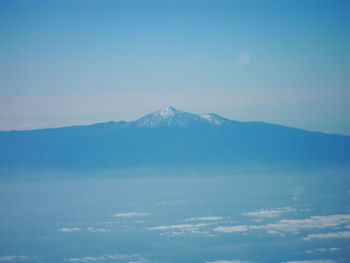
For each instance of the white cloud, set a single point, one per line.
(101, 258)
(332, 249)
(69, 229)
(75, 229)
(284, 226)
(311, 261)
(121, 256)
(130, 214)
(86, 259)
(209, 218)
(321, 249)
(140, 260)
(227, 261)
(102, 230)
(181, 227)
(270, 213)
(12, 258)
(176, 230)
(231, 229)
(313, 222)
(327, 249)
(125, 221)
(345, 234)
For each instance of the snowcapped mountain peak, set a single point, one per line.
(167, 112)
(171, 117)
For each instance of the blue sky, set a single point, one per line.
(74, 62)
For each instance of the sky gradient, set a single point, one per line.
(79, 62)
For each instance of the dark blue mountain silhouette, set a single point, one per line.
(170, 137)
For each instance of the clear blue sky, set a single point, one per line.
(79, 62)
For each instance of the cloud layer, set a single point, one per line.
(227, 261)
(345, 234)
(130, 214)
(270, 213)
(13, 258)
(313, 222)
(311, 261)
(102, 258)
(69, 229)
(208, 218)
(231, 229)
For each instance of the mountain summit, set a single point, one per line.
(171, 117)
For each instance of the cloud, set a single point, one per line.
(284, 226)
(332, 249)
(181, 227)
(130, 214)
(101, 258)
(176, 230)
(209, 218)
(313, 222)
(101, 230)
(75, 229)
(311, 261)
(345, 234)
(231, 229)
(140, 260)
(227, 261)
(12, 258)
(69, 229)
(86, 259)
(270, 213)
(125, 221)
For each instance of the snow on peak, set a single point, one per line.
(171, 117)
(167, 112)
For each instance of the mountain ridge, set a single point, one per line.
(170, 137)
(211, 118)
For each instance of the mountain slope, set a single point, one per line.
(169, 137)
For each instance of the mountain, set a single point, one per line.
(171, 117)
(170, 137)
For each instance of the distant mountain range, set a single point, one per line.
(170, 137)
